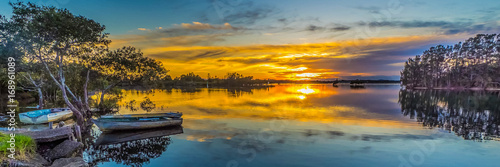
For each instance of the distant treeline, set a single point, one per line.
(229, 80)
(474, 63)
(237, 80)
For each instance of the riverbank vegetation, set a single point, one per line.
(229, 80)
(24, 147)
(58, 53)
(472, 64)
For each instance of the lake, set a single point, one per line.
(311, 125)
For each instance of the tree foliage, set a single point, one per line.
(71, 49)
(472, 63)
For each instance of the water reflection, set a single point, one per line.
(471, 115)
(130, 148)
(308, 125)
(314, 103)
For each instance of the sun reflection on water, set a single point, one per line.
(318, 104)
(306, 90)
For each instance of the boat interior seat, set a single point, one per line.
(38, 113)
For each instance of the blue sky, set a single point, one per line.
(291, 39)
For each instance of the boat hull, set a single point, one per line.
(148, 115)
(109, 125)
(45, 117)
(126, 136)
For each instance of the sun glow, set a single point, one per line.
(301, 97)
(306, 90)
(299, 69)
(305, 76)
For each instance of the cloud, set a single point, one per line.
(340, 28)
(372, 57)
(242, 12)
(332, 27)
(204, 26)
(417, 24)
(314, 28)
(400, 64)
(158, 39)
(447, 27)
(186, 34)
(370, 9)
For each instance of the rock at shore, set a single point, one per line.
(40, 160)
(35, 161)
(70, 162)
(64, 150)
(49, 135)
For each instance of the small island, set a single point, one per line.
(473, 64)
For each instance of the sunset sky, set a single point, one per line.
(293, 39)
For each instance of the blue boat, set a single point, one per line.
(45, 115)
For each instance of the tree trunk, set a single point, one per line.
(85, 93)
(101, 100)
(39, 90)
(61, 84)
(103, 92)
(40, 98)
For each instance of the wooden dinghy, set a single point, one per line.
(125, 136)
(45, 115)
(137, 121)
(147, 115)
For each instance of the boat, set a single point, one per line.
(137, 121)
(148, 115)
(45, 115)
(116, 137)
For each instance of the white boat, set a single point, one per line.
(45, 115)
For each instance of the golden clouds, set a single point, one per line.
(197, 53)
(202, 26)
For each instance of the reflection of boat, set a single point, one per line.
(138, 121)
(45, 115)
(335, 83)
(357, 86)
(130, 148)
(125, 136)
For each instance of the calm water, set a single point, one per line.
(311, 125)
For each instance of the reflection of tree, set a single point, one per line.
(130, 153)
(471, 115)
(131, 105)
(237, 92)
(148, 105)
(131, 148)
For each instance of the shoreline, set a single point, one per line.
(455, 88)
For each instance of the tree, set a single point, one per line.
(472, 63)
(69, 49)
(125, 65)
(55, 37)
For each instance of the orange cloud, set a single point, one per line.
(287, 61)
(202, 26)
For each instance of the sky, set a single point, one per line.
(292, 39)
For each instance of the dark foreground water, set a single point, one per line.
(309, 125)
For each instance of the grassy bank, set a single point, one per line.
(25, 146)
